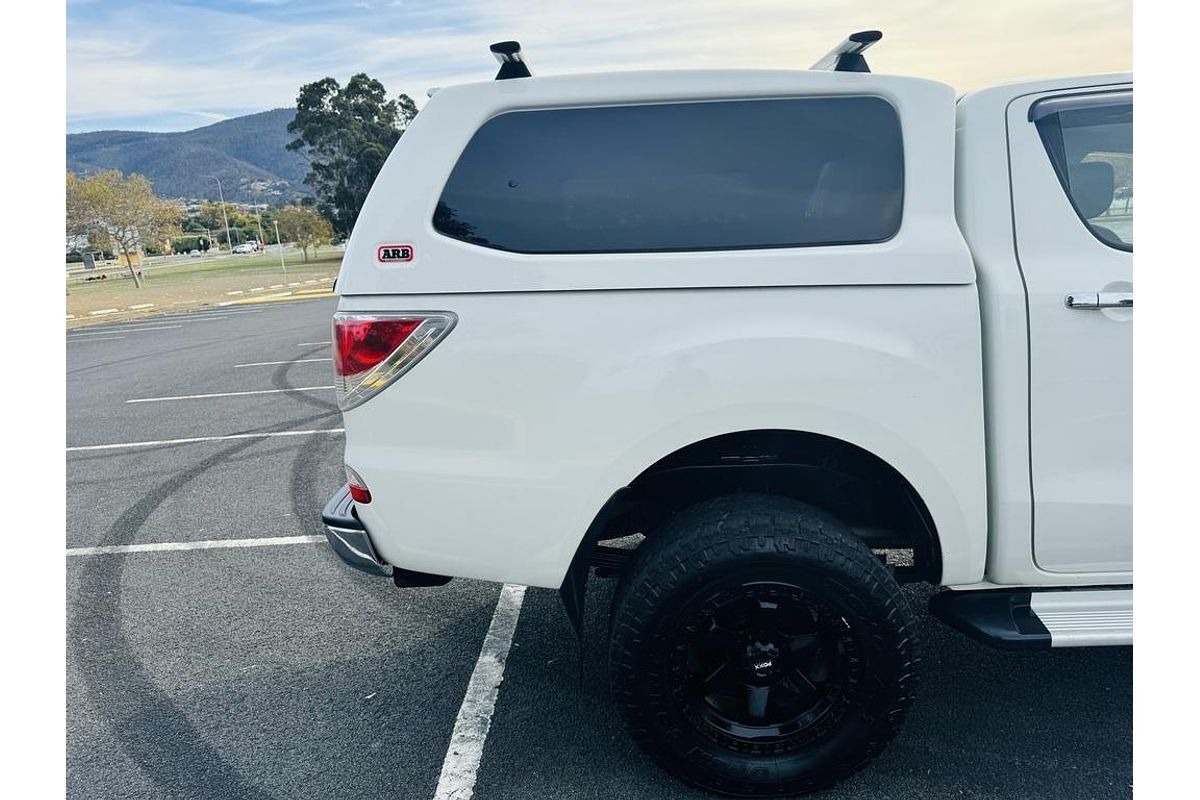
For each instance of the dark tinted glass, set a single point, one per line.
(1089, 139)
(684, 176)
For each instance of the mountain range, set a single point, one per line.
(247, 153)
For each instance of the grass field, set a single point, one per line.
(189, 284)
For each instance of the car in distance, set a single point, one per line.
(764, 345)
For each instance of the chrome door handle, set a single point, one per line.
(1092, 300)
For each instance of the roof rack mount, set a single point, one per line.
(848, 56)
(512, 63)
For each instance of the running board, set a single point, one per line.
(1020, 619)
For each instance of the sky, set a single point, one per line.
(167, 65)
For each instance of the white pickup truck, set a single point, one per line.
(765, 344)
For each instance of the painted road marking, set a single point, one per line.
(311, 344)
(98, 338)
(227, 394)
(139, 326)
(459, 769)
(211, 312)
(111, 330)
(197, 439)
(275, 363)
(204, 544)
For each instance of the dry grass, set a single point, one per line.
(195, 283)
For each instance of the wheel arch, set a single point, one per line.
(859, 487)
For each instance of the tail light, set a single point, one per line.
(372, 350)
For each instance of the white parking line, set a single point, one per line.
(204, 544)
(312, 344)
(197, 439)
(123, 329)
(211, 312)
(98, 338)
(227, 394)
(275, 363)
(459, 769)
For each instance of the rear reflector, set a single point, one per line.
(358, 487)
(372, 350)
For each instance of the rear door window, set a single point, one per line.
(681, 176)
(1089, 139)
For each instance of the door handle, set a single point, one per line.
(1093, 300)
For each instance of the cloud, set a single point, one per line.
(134, 58)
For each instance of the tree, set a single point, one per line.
(305, 227)
(78, 213)
(346, 133)
(121, 210)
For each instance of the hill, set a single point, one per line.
(247, 153)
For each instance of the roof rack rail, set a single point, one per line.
(512, 63)
(847, 56)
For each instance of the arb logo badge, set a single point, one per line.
(392, 253)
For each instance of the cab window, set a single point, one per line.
(1089, 139)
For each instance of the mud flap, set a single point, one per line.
(573, 590)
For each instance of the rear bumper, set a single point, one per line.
(348, 537)
(350, 540)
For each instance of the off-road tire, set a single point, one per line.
(748, 543)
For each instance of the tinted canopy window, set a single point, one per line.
(683, 176)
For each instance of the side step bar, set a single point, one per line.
(1021, 619)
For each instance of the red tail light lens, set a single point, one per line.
(358, 487)
(362, 344)
(372, 350)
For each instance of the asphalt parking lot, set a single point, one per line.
(275, 671)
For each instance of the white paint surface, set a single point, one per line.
(459, 769)
(198, 439)
(227, 394)
(275, 363)
(204, 544)
(123, 329)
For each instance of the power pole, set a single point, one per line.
(279, 244)
(228, 238)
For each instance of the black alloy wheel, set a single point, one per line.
(759, 648)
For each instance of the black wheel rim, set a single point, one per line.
(763, 666)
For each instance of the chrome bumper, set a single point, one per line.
(349, 538)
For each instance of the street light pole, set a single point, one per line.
(258, 213)
(279, 244)
(221, 191)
